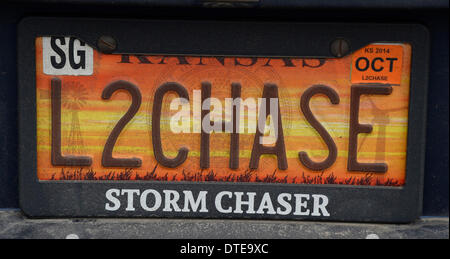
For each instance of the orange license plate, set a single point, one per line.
(224, 119)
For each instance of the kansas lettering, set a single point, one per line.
(234, 61)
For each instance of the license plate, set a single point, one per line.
(229, 119)
(208, 129)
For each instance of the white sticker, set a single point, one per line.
(67, 56)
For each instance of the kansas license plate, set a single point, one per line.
(160, 119)
(230, 119)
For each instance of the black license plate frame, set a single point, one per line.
(347, 203)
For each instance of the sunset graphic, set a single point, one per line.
(87, 120)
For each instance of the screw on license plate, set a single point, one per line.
(339, 47)
(106, 44)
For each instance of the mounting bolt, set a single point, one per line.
(339, 47)
(106, 44)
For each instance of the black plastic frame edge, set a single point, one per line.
(347, 203)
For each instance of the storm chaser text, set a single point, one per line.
(224, 202)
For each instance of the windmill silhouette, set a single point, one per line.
(382, 119)
(74, 97)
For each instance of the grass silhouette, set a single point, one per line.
(127, 174)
